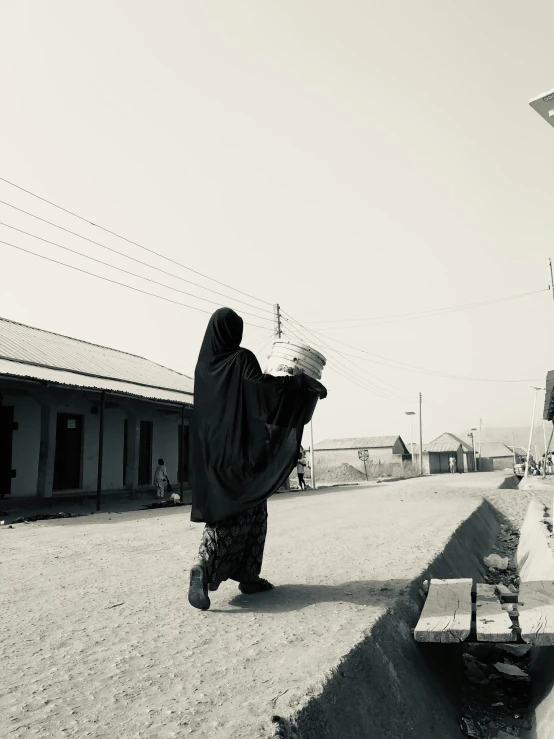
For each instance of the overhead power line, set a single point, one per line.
(130, 241)
(127, 256)
(345, 371)
(394, 318)
(125, 271)
(114, 282)
(413, 368)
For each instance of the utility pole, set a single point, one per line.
(551, 286)
(278, 332)
(420, 438)
(410, 414)
(312, 455)
(472, 434)
(513, 449)
(536, 389)
(480, 425)
(277, 320)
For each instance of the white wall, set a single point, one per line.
(26, 440)
(350, 456)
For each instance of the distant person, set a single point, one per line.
(160, 479)
(549, 464)
(246, 433)
(300, 470)
(452, 464)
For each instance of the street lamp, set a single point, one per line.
(410, 414)
(536, 389)
(544, 106)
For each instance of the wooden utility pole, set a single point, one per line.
(312, 455)
(551, 286)
(480, 426)
(536, 389)
(277, 320)
(278, 333)
(420, 437)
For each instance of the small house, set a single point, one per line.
(376, 450)
(436, 455)
(495, 455)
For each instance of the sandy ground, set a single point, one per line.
(98, 639)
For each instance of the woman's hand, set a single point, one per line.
(316, 387)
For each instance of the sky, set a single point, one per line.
(350, 160)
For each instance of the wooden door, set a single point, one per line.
(6, 445)
(145, 453)
(184, 453)
(68, 457)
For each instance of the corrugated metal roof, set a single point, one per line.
(495, 449)
(362, 442)
(415, 450)
(447, 442)
(36, 354)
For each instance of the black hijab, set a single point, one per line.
(246, 428)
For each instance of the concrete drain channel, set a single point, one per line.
(506, 671)
(496, 687)
(390, 686)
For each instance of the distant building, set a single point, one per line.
(384, 449)
(496, 456)
(436, 455)
(52, 390)
(520, 452)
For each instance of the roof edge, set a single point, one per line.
(98, 377)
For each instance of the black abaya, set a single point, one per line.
(246, 428)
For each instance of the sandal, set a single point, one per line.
(260, 586)
(198, 588)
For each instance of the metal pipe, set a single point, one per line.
(182, 455)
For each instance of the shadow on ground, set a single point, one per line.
(510, 483)
(295, 597)
(389, 686)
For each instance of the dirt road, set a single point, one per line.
(98, 639)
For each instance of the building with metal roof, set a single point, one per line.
(494, 455)
(361, 452)
(394, 443)
(437, 454)
(43, 356)
(76, 417)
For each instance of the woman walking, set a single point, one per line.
(246, 432)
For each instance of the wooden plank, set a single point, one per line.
(492, 621)
(536, 612)
(446, 615)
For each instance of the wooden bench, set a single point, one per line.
(455, 611)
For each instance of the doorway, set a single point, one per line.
(125, 441)
(183, 459)
(68, 457)
(6, 445)
(145, 453)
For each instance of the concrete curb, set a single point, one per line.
(535, 558)
(388, 686)
(535, 555)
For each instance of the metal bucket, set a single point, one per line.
(287, 356)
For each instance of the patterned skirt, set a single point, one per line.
(233, 548)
